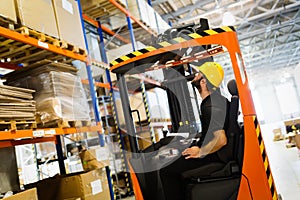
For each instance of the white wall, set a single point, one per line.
(268, 101)
(276, 93)
(288, 98)
(297, 77)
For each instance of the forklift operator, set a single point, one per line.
(212, 138)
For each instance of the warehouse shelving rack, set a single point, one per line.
(34, 46)
(8, 36)
(42, 47)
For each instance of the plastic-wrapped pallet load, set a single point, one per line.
(65, 94)
(59, 93)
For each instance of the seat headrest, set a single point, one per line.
(232, 87)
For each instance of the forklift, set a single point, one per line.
(175, 54)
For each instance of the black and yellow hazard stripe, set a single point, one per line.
(265, 159)
(108, 170)
(123, 158)
(145, 100)
(177, 40)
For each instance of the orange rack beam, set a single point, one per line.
(98, 84)
(37, 133)
(42, 45)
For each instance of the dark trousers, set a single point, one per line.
(173, 185)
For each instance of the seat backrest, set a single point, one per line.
(230, 151)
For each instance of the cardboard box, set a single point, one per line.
(92, 185)
(69, 22)
(8, 10)
(37, 15)
(89, 159)
(144, 139)
(277, 134)
(30, 194)
(297, 141)
(47, 189)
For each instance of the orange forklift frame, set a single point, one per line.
(255, 163)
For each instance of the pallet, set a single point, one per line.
(13, 125)
(16, 52)
(7, 23)
(71, 47)
(39, 36)
(51, 40)
(62, 123)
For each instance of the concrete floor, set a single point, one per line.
(284, 162)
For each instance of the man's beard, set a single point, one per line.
(200, 90)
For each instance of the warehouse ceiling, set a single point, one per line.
(268, 30)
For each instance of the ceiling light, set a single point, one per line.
(228, 19)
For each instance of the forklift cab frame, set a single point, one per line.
(257, 181)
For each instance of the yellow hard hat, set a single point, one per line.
(213, 72)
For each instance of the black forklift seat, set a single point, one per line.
(229, 169)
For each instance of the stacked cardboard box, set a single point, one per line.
(16, 104)
(30, 194)
(7, 10)
(90, 185)
(57, 18)
(97, 8)
(141, 10)
(68, 22)
(277, 134)
(37, 15)
(94, 158)
(59, 91)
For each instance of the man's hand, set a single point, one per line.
(192, 152)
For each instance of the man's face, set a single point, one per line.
(196, 82)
